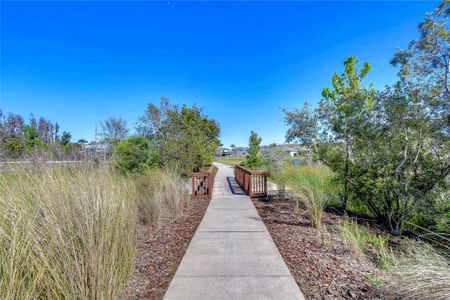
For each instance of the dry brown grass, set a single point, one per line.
(421, 273)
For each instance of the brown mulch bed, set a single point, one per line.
(159, 252)
(317, 258)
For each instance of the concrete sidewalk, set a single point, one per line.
(232, 255)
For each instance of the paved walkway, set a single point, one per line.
(232, 255)
(224, 183)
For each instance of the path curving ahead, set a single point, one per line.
(232, 255)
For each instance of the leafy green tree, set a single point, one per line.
(82, 141)
(135, 155)
(303, 126)
(424, 67)
(400, 159)
(65, 138)
(253, 154)
(150, 124)
(31, 138)
(342, 112)
(186, 139)
(410, 128)
(333, 128)
(391, 149)
(114, 130)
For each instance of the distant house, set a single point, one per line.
(291, 152)
(221, 151)
(239, 151)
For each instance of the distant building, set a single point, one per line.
(234, 152)
(95, 151)
(239, 151)
(291, 152)
(221, 151)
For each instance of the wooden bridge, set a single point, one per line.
(252, 182)
(232, 255)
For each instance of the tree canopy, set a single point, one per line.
(114, 130)
(185, 138)
(389, 149)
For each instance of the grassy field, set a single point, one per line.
(232, 161)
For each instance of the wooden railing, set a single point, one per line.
(254, 183)
(203, 184)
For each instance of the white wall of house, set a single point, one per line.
(292, 153)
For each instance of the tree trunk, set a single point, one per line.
(344, 196)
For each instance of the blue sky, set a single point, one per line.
(79, 63)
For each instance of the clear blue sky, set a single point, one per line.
(79, 63)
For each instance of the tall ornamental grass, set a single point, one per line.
(313, 185)
(160, 194)
(66, 232)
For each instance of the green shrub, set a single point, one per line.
(14, 147)
(134, 154)
(434, 212)
(185, 137)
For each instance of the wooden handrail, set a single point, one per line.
(203, 184)
(253, 182)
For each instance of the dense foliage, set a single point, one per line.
(19, 138)
(389, 149)
(134, 154)
(173, 137)
(184, 137)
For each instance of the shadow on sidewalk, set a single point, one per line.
(234, 186)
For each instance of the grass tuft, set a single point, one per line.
(358, 238)
(66, 232)
(422, 274)
(354, 236)
(160, 193)
(312, 185)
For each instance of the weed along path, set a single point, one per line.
(232, 255)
